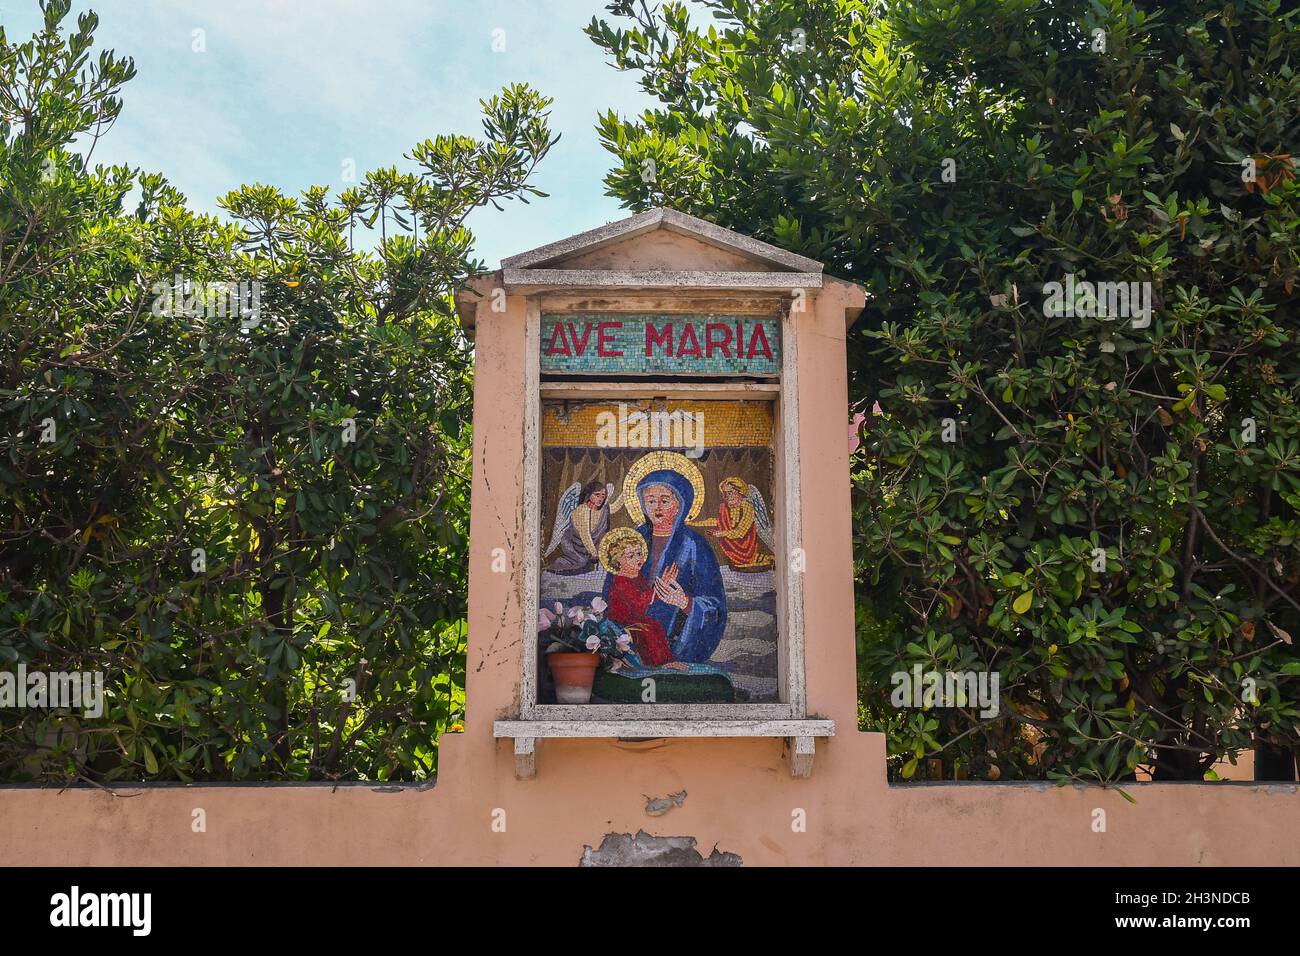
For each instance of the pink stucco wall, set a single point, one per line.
(740, 794)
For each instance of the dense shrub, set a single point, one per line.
(252, 523)
(1102, 509)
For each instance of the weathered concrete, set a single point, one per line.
(658, 806)
(741, 800)
(622, 849)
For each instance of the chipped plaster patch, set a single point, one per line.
(622, 849)
(658, 806)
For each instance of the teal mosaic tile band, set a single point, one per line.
(604, 344)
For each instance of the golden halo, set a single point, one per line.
(661, 461)
(617, 540)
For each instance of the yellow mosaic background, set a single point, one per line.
(727, 424)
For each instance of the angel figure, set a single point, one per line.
(581, 520)
(741, 522)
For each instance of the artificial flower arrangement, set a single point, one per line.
(584, 628)
(580, 638)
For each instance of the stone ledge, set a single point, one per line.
(800, 735)
(807, 727)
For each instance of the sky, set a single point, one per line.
(288, 90)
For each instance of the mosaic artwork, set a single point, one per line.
(658, 550)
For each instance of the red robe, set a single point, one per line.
(628, 600)
(742, 551)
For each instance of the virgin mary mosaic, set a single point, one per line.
(659, 564)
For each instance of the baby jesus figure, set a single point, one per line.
(622, 554)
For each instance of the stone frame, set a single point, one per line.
(604, 271)
(788, 717)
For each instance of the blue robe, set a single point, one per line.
(692, 636)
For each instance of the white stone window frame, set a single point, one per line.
(786, 718)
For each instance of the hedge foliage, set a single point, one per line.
(1100, 508)
(245, 505)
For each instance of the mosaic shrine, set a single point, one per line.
(658, 542)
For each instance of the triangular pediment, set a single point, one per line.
(660, 241)
(658, 253)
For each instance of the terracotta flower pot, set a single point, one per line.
(573, 673)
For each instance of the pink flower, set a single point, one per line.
(624, 642)
(545, 619)
(576, 614)
(593, 643)
(598, 605)
(855, 429)
(559, 609)
(876, 409)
